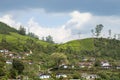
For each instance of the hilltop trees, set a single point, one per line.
(109, 33)
(32, 35)
(49, 39)
(97, 30)
(22, 30)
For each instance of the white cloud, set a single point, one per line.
(84, 22)
(78, 22)
(59, 34)
(8, 19)
(79, 19)
(62, 33)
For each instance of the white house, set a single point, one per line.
(4, 51)
(118, 67)
(61, 75)
(8, 62)
(85, 64)
(89, 76)
(44, 76)
(105, 64)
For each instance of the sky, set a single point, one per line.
(64, 20)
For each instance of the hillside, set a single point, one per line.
(83, 44)
(47, 57)
(10, 39)
(98, 47)
(5, 29)
(94, 47)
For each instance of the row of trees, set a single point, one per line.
(48, 38)
(97, 32)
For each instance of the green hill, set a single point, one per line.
(49, 55)
(98, 47)
(83, 44)
(93, 47)
(5, 29)
(10, 39)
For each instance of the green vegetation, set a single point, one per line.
(77, 45)
(31, 56)
(5, 29)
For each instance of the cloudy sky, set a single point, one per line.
(62, 19)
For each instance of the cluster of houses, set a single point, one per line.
(85, 63)
(104, 64)
(12, 55)
(47, 76)
(83, 75)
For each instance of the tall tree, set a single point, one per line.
(110, 32)
(32, 35)
(118, 36)
(98, 29)
(115, 35)
(43, 39)
(49, 39)
(92, 31)
(22, 30)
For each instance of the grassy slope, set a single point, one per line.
(14, 37)
(84, 44)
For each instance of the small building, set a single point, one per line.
(85, 64)
(105, 64)
(44, 76)
(8, 62)
(118, 67)
(61, 75)
(4, 51)
(92, 59)
(63, 66)
(89, 76)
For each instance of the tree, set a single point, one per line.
(22, 30)
(97, 63)
(115, 35)
(33, 35)
(4, 43)
(13, 73)
(49, 39)
(59, 58)
(2, 65)
(43, 39)
(18, 65)
(92, 31)
(98, 29)
(109, 31)
(118, 36)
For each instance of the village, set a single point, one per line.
(87, 67)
